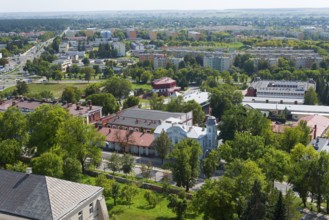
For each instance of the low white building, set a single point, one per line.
(207, 137)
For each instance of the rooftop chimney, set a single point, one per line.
(314, 131)
(29, 170)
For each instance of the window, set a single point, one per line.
(80, 215)
(91, 208)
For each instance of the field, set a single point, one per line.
(55, 88)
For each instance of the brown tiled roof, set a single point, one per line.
(135, 138)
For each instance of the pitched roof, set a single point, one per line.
(132, 137)
(321, 122)
(40, 197)
(142, 118)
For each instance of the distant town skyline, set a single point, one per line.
(103, 5)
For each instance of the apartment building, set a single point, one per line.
(219, 63)
(120, 47)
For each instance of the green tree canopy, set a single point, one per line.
(118, 87)
(185, 165)
(43, 125)
(71, 95)
(107, 101)
(48, 164)
(80, 141)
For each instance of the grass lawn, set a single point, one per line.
(141, 86)
(139, 208)
(55, 88)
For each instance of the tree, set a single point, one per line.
(21, 88)
(244, 174)
(178, 204)
(89, 72)
(115, 192)
(80, 141)
(128, 192)
(216, 199)
(48, 164)
(10, 149)
(280, 209)
(146, 76)
(301, 161)
(43, 125)
(198, 113)
(310, 98)
(107, 101)
(151, 198)
(93, 88)
(162, 145)
(131, 101)
(293, 136)
(146, 170)
(115, 163)
(256, 208)
(3, 62)
(128, 163)
(14, 125)
(157, 102)
(46, 94)
(185, 165)
(118, 87)
(71, 169)
(210, 164)
(275, 164)
(244, 146)
(71, 95)
(240, 119)
(85, 61)
(57, 75)
(292, 205)
(106, 183)
(224, 98)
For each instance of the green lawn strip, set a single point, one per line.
(141, 86)
(56, 88)
(139, 208)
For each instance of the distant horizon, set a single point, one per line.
(34, 6)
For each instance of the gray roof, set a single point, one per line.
(143, 118)
(40, 197)
(24, 195)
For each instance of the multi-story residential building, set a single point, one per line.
(131, 34)
(306, 62)
(270, 61)
(207, 137)
(161, 62)
(219, 63)
(106, 34)
(30, 196)
(120, 47)
(150, 57)
(279, 89)
(164, 86)
(153, 35)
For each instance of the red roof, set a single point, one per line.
(132, 137)
(163, 81)
(321, 122)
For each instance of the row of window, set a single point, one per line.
(91, 210)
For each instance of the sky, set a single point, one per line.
(104, 5)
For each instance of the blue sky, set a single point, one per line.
(97, 5)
